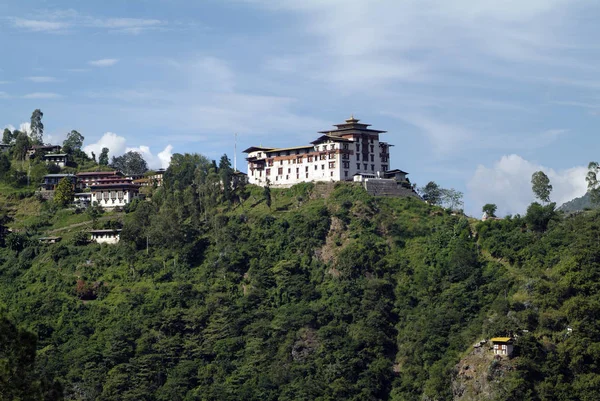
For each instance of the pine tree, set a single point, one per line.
(63, 195)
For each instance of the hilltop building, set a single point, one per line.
(351, 149)
(503, 346)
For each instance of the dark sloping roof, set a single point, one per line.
(255, 148)
(290, 148)
(395, 171)
(99, 173)
(323, 138)
(115, 185)
(344, 130)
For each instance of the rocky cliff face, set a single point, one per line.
(479, 375)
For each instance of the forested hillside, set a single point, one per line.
(318, 292)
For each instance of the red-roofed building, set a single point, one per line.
(88, 179)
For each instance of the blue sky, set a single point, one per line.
(475, 95)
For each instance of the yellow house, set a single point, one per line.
(503, 346)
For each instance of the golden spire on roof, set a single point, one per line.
(352, 119)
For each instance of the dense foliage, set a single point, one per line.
(321, 294)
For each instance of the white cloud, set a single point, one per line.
(421, 41)
(117, 146)
(4, 95)
(161, 160)
(128, 25)
(25, 127)
(444, 137)
(165, 156)
(67, 20)
(4, 82)
(105, 62)
(42, 95)
(507, 183)
(41, 79)
(39, 25)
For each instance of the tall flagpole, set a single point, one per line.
(235, 154)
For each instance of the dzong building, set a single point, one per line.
(352, 150)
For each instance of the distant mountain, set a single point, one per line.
(577, 204)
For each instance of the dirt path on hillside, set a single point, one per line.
(103, 218)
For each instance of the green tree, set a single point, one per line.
(39, 170)
(592, 181)
(7, 137)
(267, 195)
(131, 163)
(489, 209)
(451, 198)
(185, 170)
(226, 175)
(432, 193)
(63, 195)
(539, 216)
(74, 142)
(94, 212)
(21, 146)
(103, 159)
(18, 379)
(37, 127)
(4, 164)
(540, 185)
(16, 242)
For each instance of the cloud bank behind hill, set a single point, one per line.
(507, 183)
(117, 146)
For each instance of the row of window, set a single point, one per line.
(372, 147)
(280, 169)
(287, 177)
(331, 146)
(109, 195)
(358, 157)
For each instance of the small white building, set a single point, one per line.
(503, 346)
(114, 194)
(82, 200)
(60, 159)
(106, 236)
